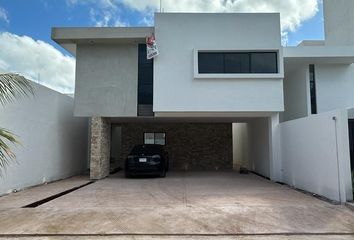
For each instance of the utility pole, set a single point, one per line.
(160, 5)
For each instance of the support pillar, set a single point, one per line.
(276, 171)
(100, 147)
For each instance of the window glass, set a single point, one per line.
(313, 89)
(264, 63)
(155, 138)
(145, 77)
(210, 62)
(149, 138)
(236, 63)
(160, 138)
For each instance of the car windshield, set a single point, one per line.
(146, 149)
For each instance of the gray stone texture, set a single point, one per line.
(100, 147)
(191, 146)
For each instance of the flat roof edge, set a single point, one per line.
(83, 33)
(318, 51)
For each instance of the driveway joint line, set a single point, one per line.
(55, 196)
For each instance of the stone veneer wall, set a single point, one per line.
(191, 146)
(100, 147)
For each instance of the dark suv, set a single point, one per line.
(149, 159)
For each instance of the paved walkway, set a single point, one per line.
(227, 204)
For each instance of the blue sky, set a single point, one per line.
(302, 19)
(312, 29)
(35, 18)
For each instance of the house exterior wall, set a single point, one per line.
(54, 143)
(339, 22)
(337, 81)
(240, 145)
(178, 37)
(259, 148)
(106, 80)
(296, 93)
(334, 86)
(191, 146)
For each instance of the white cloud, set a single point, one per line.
(293, 12)
(106, 18)
(38, 61)
(104, 13)
(3, 15)
(104, 4)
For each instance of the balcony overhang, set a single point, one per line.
(319, 54)
(68, 38)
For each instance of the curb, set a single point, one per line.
(350, 205)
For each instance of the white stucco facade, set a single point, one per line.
(335, 84)
(296, 92)
(177, 88)
(339, 21)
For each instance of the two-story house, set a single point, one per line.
(216, 92)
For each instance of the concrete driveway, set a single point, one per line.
(211, 205)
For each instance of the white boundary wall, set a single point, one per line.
(315, 154)
(54, 143)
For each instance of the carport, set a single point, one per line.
(193, 144)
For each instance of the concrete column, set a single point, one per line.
(276, 171)
(100, 147)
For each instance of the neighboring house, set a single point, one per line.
(216, 75)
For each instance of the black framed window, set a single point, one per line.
(313, 89)
(266, 62)
(211, 62)
(145, 77)
(237, 62)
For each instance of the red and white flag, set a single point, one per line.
(151, 47)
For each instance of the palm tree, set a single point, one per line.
(12, 87)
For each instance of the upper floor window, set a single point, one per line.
(237, 62)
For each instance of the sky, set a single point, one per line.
(25, 28)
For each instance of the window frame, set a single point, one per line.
(279, 62)
(154, 137)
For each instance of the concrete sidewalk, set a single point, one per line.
(181, 204)
(258, 237)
